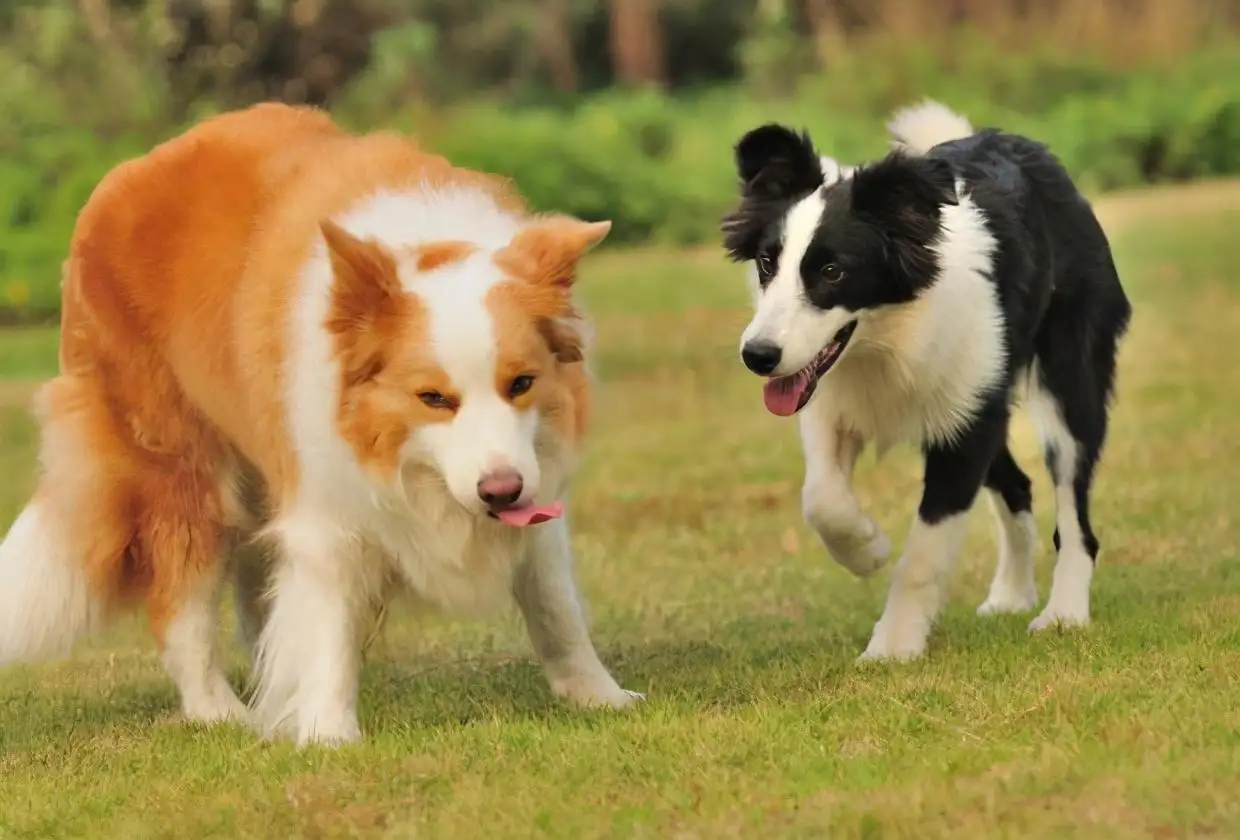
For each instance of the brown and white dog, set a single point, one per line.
(343, 344)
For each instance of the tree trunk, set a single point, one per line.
(555, 44)
(636, 41)
(827, 30)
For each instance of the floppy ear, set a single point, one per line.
(366, 299)
(546, 252)
(904, 194)
(903, 197)
(773, 161)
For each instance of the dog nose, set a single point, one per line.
(500, 489)
(761, 357)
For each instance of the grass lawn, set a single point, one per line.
(708, 593)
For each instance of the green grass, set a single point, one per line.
(28, 353)
(708, 593)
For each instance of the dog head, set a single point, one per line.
(830, 246)
(460, 362)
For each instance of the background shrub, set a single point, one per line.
(534, 89)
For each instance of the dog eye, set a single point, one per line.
(519, 386)
(766, 265)
(831, 273)
(434, 399)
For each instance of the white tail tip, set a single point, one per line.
(919, 128)
(46, 599)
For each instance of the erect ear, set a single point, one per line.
(365, 284)
(547, 251)
(773, 161)
(366, 300)
(904, 194)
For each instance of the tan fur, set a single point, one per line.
(174, 328)
(544, 258)
(435, 255)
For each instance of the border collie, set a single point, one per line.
(915, 299)
(386, 343)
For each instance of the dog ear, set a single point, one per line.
(773, 161)
(775, 164)
(904, 194)
(546, 252)
(365, 284)
(367, 302)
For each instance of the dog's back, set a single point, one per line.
(1065, 311)
(1049, 232)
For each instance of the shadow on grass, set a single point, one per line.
(743, 663)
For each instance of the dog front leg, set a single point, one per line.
(827, 500)
(309, 651)
(547, 596)
(954, 474)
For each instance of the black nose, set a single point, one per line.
(761, 357)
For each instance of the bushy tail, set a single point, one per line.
(64, 555)
(919, 128)
(46, 598)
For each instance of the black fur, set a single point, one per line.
(773, 160)
(777, 167)
(1061, 300)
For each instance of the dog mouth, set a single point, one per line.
(526, 515)
(786, 395)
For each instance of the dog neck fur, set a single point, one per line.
(918, 372)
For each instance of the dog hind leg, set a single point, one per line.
(1013, 589)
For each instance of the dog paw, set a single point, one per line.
(594, 692)
(218, 704)
(627, 698)
(896, 643)
(1056, 616)
(334, 733)
(862, 556)
(1008, 601)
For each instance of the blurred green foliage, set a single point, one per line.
(656, 162)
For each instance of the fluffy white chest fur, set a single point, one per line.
(445, 555)
(917, 372)
(439, 552)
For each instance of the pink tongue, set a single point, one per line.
(532, 515)
(783, 394)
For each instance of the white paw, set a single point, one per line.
(330, 733)
(1009, 601)
(215, 706)
(900, 643)
(1055, 616)
(626, 698)
(592, 692)
(862, 556)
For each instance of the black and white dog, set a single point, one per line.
(915, 299)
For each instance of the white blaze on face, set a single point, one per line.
(487, 433)
(784, 316)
